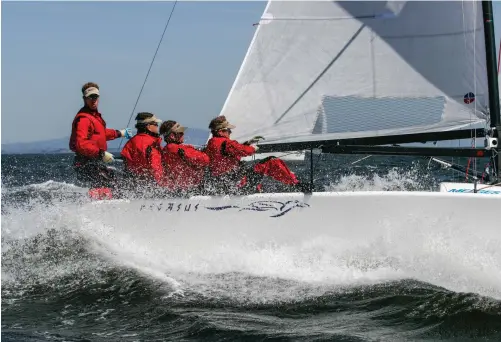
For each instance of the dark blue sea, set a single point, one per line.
(59, 285)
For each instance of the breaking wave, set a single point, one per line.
(66, 278)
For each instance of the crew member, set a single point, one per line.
(88, 140)
(184, 166)
(228, 174)
(142, 155)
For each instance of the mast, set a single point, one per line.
(490, 52)
(499, 56)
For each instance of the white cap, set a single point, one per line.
(91, 91)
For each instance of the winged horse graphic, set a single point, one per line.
(278, 208)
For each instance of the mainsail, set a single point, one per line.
(334, 70)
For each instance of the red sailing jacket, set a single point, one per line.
(184, 166)
(225, 154)
(89, 133)
(143, 158)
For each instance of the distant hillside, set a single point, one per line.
(193, 136)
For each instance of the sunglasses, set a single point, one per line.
(153, 124)
(93, 97)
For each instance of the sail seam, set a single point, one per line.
(325, 18)
(433, 35)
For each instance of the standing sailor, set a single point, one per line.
(88, 140)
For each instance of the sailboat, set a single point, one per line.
(348, 77)
(354, 77)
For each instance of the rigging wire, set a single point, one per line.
(149, 69)
(473, 136)
(339, 166)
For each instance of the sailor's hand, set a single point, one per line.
(250, 142)
(254, 140)
(256, 148)
(126, 133)
(107, 157)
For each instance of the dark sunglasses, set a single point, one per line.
(93, 97)
(153, 124)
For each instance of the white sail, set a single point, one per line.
(332, 70)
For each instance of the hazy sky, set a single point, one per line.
(49, 49)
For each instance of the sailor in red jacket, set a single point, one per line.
(224, 153)
(184, 165)
(229, 175)
(142, 154)
(88, 140)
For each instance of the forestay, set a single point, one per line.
(333, 70)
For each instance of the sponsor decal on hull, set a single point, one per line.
(490, 192)
(276, 208)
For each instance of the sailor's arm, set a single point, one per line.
(195, 157)
(112, 134)
(236, 149)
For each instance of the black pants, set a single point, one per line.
(94, 174)
(227, 184)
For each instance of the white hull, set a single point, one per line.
(206, 224)
(447, 239)
(470, 188)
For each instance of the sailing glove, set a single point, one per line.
(254, 140)
(107, 157)
(126, 133)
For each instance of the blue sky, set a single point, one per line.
(49, 49)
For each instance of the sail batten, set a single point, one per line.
(338, 70)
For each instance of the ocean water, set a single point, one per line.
(61, 284)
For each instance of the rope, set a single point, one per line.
(149, 69)
(467, 168)
(485, 168)
(342, 165)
